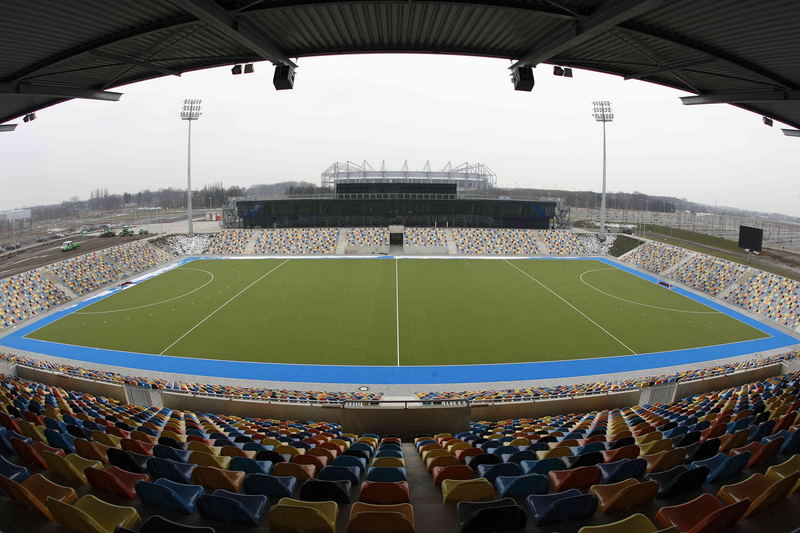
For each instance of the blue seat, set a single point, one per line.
(168, 452)
(250, 466)
(59, 440)
(742, 423)
(675, 432)
(322, 490)
(622, 469)
(561, 506)
(340, 473)
(588, 448)
(390, 446)
(505, 449)
(518, 457)
(386, 473)
(498, 515)
(169, 469)
(159, 524)
(721, 466)
(760, 431)
(362, 446)
(791, 441)
(490, 445)
(389, 453)
(523, 485)
(167, 494)
(254, 447)
(422, 443)
(543, 466)
(11, 471)
(232, 507)
(491, 472)
(51, 423)
(269, 485)
(5, 441)
(349, 460)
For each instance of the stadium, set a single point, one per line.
(400, 350)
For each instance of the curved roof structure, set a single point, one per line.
(743, 53)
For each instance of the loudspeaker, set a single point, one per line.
(237, 69)
(284, 77)
(567, 72)
(522, 78)
(248, 68)
(558, 71)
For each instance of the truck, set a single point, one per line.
(69, 245)
(126, 232)
(108, 232)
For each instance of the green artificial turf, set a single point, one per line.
(347, 311)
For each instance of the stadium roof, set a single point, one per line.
(744, 53)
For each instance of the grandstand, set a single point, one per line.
(399, 350)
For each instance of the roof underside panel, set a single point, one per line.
(699, 46)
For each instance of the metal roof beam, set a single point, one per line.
(134, 62)
(7, 89)
(670, 67)
(573, 33)
(7, 127)
(235, 28)
(742, 97)
(791, 133)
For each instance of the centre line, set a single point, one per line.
(212, 313)
(572, 306)
(397, 310)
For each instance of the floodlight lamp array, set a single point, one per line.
(191, 109)
(602, 111)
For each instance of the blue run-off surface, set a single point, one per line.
(400, 375)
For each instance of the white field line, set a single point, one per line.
(572, 306)
(154, 303)
(640, 303)
(212, 313)
(397, 309)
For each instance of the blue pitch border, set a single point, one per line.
(404, 374)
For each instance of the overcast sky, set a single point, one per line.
(398, 107)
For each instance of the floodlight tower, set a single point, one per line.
(602, 113)
(191, 111)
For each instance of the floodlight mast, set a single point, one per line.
(191, 111)
(603, 113)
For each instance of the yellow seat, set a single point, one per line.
(173, 435)
(655, 446)
(636, 523)
(296, 516)
(288, 450)
(271, 442)
(203, 447)
(92, 515)
(784, 470)
(432, 446)
(340, 442)
(648, 437)
(520, 441)
(433, 452)
(440, 435)
(369, 518)
(70, 467)
(458, 445)
(760, 490)
(29, 429)
(467, 490)
(105, 438)
(623, 495)
(562, 451)
(388, 461)
(207, 459)
(350, 436)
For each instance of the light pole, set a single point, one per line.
(602, 113)
(191, 111)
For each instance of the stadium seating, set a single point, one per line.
(424, 237)
(297, 241)
(474, 241)
(230, 242)
(368, 237)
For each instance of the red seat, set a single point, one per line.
(576, 478)
(462, 455)
(440, 473)
(29, 454)
(713, 432)
(626, 452)
(316, 461)
(115, 481)
(9, 422)
(384, 492)
(704, 514)
(136, 446)
(760, 452)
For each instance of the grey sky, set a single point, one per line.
(397, 107)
